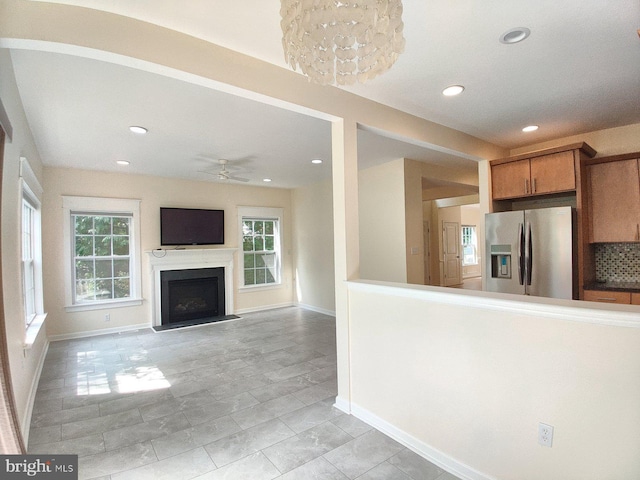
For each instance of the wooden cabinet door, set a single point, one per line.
(510, 180)
(615, 201)
(635, 299)
(607, 297)
(553, 173)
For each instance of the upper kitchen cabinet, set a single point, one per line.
(614, 199)
(540, 173)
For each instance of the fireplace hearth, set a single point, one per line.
(192, 295)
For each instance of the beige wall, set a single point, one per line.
(24, 364)
(313, 247)
(153, 192)
(465, 378)
(413, 214)
(382, 222)
(612, 141)
(470, 215)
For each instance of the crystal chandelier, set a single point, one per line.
(342, 41)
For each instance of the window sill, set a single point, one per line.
(32, 331)
(83, 307)
(256, 288)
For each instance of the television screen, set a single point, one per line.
(191, 226)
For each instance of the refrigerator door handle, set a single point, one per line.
(529, 254)
(521, 248)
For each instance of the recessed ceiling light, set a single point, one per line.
(453, 90)
(515, 35)
(317, 161)
(530, 128)
(122, 162)
(138, 130)
(266, 180)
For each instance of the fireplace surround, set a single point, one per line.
(192, 263)
(191, 294)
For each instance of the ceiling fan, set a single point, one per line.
(224, 174)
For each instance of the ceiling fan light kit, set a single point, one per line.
(340, 41)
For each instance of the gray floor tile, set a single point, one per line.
(134, 401)
(415, 466)
(64, 416)
(90, 426)
(220, 408)
(141, 432)
(255, 467)
(290, 371)
(306, 446)
(384, 471)
(116, 461)
(183, 466)
(352, 425)
(315, 393)
(447, 476)
(363, 453)
(194, 437)
(82, 446)
(311, 416)
(266, 411)
(246, 442)
(280, 389)
(45, 434)
(317, 469)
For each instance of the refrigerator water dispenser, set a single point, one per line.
(501, 261)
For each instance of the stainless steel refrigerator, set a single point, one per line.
(531, 252)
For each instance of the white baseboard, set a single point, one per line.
(331, 313)
(26, 419)
(435, 456)
(343, 405)
(104, 331)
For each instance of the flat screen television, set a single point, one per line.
(191, 226)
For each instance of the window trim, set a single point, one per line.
(265, 213)
(31, 192)
(101, 206)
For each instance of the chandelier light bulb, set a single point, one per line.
(341, 41)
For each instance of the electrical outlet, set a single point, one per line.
(107, 317)
(545, 434)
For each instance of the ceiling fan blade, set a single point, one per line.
(237, 179)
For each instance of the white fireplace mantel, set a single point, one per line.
(160, 260)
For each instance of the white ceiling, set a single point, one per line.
(579, 71)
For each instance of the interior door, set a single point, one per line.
(451, 253)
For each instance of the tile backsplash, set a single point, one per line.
(618, 262)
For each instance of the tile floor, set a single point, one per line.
(245, 399)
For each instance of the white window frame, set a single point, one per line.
(31, 193)
(260, 213)
(101, 206)
(474, 236)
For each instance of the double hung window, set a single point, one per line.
(31, 252)
(102, 243)
(102, 257)
(30, 257)
(261, 250)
